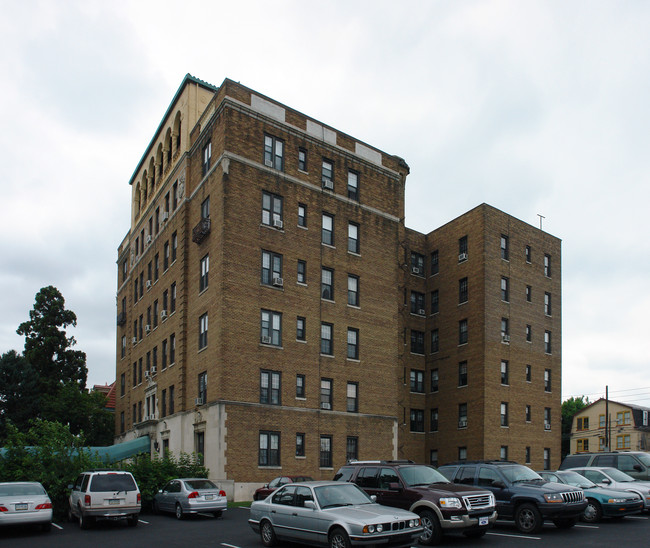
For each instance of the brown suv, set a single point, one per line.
(443, 506)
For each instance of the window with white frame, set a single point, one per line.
(353, 238)
(271, 327)
(505, 252)
(326, 342)
(353, 343)
(353, 185)
(203, 331)
(271, 268)
(273, 152)
(353, 397)
(327, 284)
(207, 155)
(205, 269)
(417, 381)
(327, 232)
(269, 449)
(353, 290)
(270, 387)
(272, 210)
(326, 394)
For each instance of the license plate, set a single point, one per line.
(483, 520)
(113, 502)
(21, 506)
(209, 497)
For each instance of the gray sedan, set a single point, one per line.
(25, 503)
(332, 513)
(184, 496)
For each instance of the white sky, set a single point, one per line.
(532, 107)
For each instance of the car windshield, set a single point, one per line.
(617, 475)
(112, 482)
(644, 458)
(517, 473)
(418, 475)
(200, 484)
(575, 479)
(344, 494)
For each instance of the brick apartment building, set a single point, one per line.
(276, 315)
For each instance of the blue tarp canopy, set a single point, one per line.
(124, 450)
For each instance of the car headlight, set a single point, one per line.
(553, 497)
(414, 523)
(450, 502)
(615, 501)
(380, 528)
(371, 528)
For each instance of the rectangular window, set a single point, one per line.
(417, 342)
(207, 155)
(272, 269)
(166, 256)
(205, 268)
(529, 373)
(271, 327)
(273, 152)
(327, 232)
(353, 238)
(417, 303)
(547, 304)
(417, 263)
(528, 413)
(505, 289)
(504, 248)
(353, 185)
(547, 458)
(174, 246)
(582, 423)
(353, 343)
(462, 373)
(462, 291)
(172, 298)
(417, 420)
(172, 349)
(434, 262)
(417, 381)
(326, 342)
(505, 330)
(435, 302)
(163, 401)
(156, 267)
(164, 354)
(203, 387)
(462, 249)
(301, 334)
(434, 380)
(529, 294)
(123, 349)
(547, 266)
(504, 372)
(269, 450)
(547, 342)
(623, 418)
(302, 159)
(327, 174)
(434, 341)
(504, 452)
(171, 400)
(352, 448)
(528, 254)
(300, 444)
(272, 210)
(155, 313)
(462, 332)
(302, 215)
(434, 420)
(582, 445)
(203, 331)
(462, 415)
(302, 272)
(327, 284)
(433, 457)
(122, 384)
(205, 208)
(623, 441)
(325, 452)
(547, 418)
(270, 387)
(300, 386)
(353, 397)
(326, 394)
(529, 333)
(504, 414)
(353, 290)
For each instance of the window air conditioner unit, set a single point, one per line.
(198, 401)
(547, 426)
(163, 314)
(153, 369)
(147, 375)
(148, 240)
(416, 270)
(268, 162)
(328, 184)
(147, 328)
(277, 281)
(506, 338)
(277, 223)
(148, 284)
(462, 257)
(266, 340)
(462, 423)
(134, 340)
(421, 312)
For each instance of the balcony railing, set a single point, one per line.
(201, 230)
(121, 318)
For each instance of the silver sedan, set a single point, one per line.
(24, 503)
(184, 496)
(332, 513)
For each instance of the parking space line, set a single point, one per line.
(587, 526)
(229, 545)
(143, 521)
(513, 536)
(57, 526)
(635, 517)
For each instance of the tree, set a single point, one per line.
(569, 408)
(48, 348)
(18, 391)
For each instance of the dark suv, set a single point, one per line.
(521, 494)
(443, 506)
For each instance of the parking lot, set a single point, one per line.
(232, 531)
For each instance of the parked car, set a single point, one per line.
(107, 494)
(521, 494)
(633, 463)
(184, 496)
(442, 506)
(615, 479)
(267, 489)
(25, 503)
(332, 513)
(601, 501)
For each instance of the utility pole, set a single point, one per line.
(606, 418)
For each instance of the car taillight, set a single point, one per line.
(139, 498)
(44, 506)
(193, 495)
(4, 509)
(87, 500)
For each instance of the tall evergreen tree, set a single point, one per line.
(18, 391)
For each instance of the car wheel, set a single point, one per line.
(268, 534)
(217, 514)
(528, 519)
(179, 511)
(565, 523)
(71, 516)
(132, 521)
(338, 538)
(84, 521)
(593, 512)
(432, 531)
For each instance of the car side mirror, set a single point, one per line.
(606, 481)
(70, 486)
(395, 486)
(638, 468)
(373, 498)
(310, 504)
(160, 490)
(498, 483)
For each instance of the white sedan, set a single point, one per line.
(25, 503)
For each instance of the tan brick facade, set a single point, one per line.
(220, 330)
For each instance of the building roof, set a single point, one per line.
(109, 391)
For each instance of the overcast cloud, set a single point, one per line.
(532, 107)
